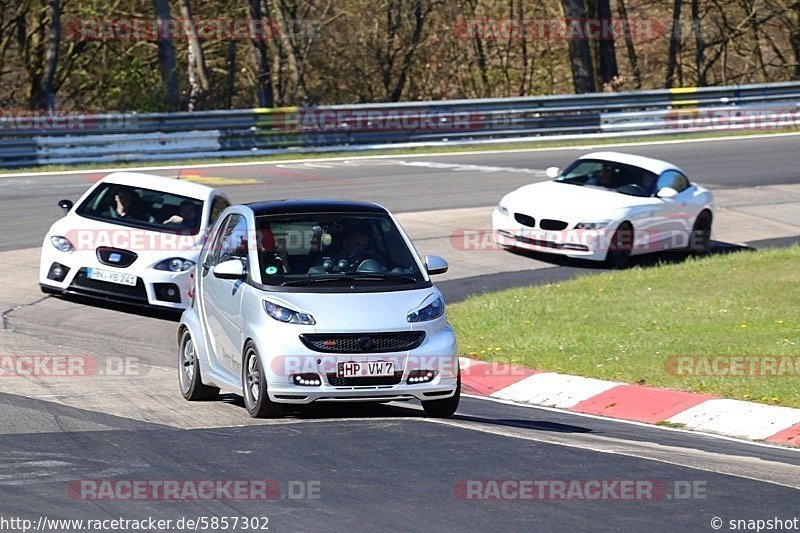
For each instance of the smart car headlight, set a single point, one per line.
(289, 316)
(432, 311)
(61, 244)
(175, 264)
(594, 224)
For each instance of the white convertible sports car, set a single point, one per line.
(131, 238)
(607, 206)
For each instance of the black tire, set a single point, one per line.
(189, 379)
(446, 407)
(619, 249)
(254, 386)
(700, 238)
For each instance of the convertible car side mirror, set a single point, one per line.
(667, 193)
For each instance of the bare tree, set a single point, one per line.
(258, 15)
(633, 59)
(579, 51)
(197, 70)
(166, 54)
(607, 53)
(674, 44)
(48, 91)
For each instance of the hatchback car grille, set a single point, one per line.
(116, 257)
(366, 381)
(400, 341)
(525, 220)
(91, 287)
(552, 225)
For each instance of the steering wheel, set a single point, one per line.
(356, 258)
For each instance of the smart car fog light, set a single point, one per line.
(61, 244)
(289, 316)
(432, 311)
(175, 264)
(595, 224)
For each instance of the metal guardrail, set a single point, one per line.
(31, 139)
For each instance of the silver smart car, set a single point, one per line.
(300, 301)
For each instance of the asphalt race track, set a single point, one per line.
(381, 467)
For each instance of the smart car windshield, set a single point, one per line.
(331, 248)
(143, 208)
(609, 175)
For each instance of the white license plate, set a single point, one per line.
(111, 277)
(353, 369)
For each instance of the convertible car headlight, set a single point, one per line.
(432, 311)
(595, 224)
(503, 209)
(175, 264)
(289, 316)
(61, 244)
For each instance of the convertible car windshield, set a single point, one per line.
(617, 177)
(143, 208)
(330, 248)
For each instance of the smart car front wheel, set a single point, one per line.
(254, 386)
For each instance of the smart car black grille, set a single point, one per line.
(92, 287)
(525, 220)
(400, 341)
(552, 225)
(116, 257)
(364, 381)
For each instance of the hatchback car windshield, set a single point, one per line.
(143, 208)
(327, 248)
(617, 177)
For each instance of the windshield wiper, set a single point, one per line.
(355, 276)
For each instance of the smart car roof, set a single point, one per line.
(655, 166)
(277, 207)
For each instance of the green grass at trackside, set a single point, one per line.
(395, 151)
(625, 325)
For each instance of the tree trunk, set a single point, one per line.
(633, 59)
(230, 85)
(48, 92)
(674, 44)
(166, 55)
(579, 51)
(197, 70)
(416, 38)
(264, 93)
(606, 48)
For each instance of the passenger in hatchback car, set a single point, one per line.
(186, 216)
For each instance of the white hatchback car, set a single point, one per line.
(131, 238)
(300, 301)
(607, 206)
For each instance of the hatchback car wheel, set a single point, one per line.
(192, 387)
(254, 385)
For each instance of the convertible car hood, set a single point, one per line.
(563, 201)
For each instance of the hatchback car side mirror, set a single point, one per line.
(66, 205)
(230, 269)
(552, 172)
(667, 193)
(435, 265)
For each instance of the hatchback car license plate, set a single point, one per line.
(111, 277)
(352, 369)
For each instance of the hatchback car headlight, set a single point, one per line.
(594, 224)
(175, 264)
(61, 244)
(432, 311)
(289, 316)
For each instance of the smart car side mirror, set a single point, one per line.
(667, 193)
(66, 205)
(230, 269)
(552, 172)
(435, 265)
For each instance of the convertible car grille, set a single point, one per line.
(92, 287)
(364, 381)
(525, 220)
(400, 341)
(116, 257)
(552, 225)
